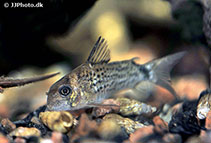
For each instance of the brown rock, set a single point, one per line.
(193, 139)
(160, 126)
(19, 140)
(172, 138)
(77, 113)
(8, 125)
(208, 121)
(3, 139)
(140, 133)
(84, 127)
(102, 110)
(124, 106)
(205, 136)
(56, 137)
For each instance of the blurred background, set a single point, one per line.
(60, 35)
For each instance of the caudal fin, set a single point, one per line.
(159, 70)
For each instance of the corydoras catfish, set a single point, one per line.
(97, 78)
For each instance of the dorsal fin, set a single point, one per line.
(100, 53)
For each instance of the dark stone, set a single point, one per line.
(185, 122)
(26, 122)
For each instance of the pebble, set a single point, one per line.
(25, 132)
(58, 121)
(129, 125)
(161, 126)
(208, 121)
(8, 125)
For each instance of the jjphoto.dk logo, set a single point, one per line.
(22, 5)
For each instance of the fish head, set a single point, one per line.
(65, 94)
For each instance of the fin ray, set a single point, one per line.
(100, 52)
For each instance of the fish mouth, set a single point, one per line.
(58, 106)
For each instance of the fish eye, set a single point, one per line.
(65, 90)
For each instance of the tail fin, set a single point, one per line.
(159, 70)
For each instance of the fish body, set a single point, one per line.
(97, 79)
